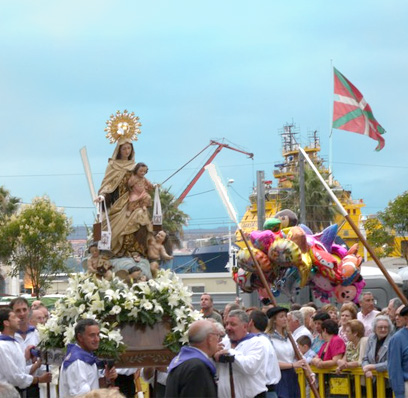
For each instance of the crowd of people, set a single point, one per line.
(240, 352)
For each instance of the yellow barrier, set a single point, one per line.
(341, 386)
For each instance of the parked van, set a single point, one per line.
(379, 286)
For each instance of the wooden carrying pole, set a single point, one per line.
(231, 211)
(356, 230)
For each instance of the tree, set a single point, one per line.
(8, 203)
(34, 241)
(173, 218)
(395, 218)
(320, 211)
(379, 237)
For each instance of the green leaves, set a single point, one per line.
(34, 241)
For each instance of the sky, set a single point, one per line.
(195, 72)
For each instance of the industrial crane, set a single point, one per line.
(219, 146)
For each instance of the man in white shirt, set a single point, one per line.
(13, 369)
(258, 321)
(79, 371)
(297, 326)
(248, 350)
(367, 313)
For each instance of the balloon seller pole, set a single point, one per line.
(356, 230)
(231, 212)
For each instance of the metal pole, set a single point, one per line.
(260, 197)
(302, 215)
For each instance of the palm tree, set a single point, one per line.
(320, 210)
(8, 203)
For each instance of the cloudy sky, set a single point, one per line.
(195, 71)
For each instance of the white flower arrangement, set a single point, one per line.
(114, 302)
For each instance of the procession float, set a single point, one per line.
(143, 312)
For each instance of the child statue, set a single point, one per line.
(157, 252)
(140, 188)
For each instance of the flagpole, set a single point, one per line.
(331, 128)
(356, 229)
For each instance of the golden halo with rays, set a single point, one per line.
(122, 125)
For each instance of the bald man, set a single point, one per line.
(191, 373)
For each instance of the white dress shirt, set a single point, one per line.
(248, 369)
(13, 369)
(367, 321)
(79, 378)
(272, 369)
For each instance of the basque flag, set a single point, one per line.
(352, 113)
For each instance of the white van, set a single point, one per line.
(379, 286)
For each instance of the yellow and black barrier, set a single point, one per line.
(347, 383)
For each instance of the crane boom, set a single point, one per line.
(217, 150)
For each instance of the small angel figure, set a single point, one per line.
(139, 187)
(93, 259)
(157, 252)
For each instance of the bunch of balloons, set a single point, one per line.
(291, 257)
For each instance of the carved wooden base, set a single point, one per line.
(145, 346)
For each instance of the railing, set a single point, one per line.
(339, 385)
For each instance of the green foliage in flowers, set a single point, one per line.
(34, 241)
(112, 303)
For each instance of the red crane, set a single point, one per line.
(210, 159)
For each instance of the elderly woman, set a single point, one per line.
(355, 347)
(333, 349)
(376, 354)
(288, 386)
(348, 311)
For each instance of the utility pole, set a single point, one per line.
(302, 216)
(260, 190)
(260, 195)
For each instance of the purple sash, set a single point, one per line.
(187, 353)
(4, 337)
(247, 337)
(75, 352)
(29, 330)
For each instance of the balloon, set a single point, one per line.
(263, 260)
(349, 269)
(304, 269)
(244, 260)
(284, 253)
(262, 239)
(272, 224)
(297, 235)
(327, 236)
(326, 264)
(243, 279)
(338, 250)
(289, 284)
(287, 217)
(321, 287)
(345, 294)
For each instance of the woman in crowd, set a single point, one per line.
(318, 320)
(333, 349)
(355, 347)
(288, 386)
(348, 312)
(376, 354)
(332, 311)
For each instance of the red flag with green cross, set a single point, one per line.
(352, 113)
